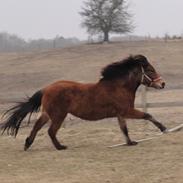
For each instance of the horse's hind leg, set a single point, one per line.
(38, 125)
(54, 127)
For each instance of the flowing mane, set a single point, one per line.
(123, 67)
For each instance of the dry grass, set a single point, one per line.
(88, 160)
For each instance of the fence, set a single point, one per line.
(145, 105)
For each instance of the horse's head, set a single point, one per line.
(134, 67)
(149, 76)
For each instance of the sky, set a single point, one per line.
(32, 19)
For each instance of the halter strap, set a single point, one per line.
(144, 75)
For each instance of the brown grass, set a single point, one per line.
(88, 160)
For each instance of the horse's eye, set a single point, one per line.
(150, 71)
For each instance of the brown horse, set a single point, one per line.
(112, 96)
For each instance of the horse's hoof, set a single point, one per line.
(27, 144)
(61, 147)
(132, 143)
(164, 129)
(25, 148)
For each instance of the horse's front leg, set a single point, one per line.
(136, 114)
(124, 129)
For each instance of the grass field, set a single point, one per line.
(88, 160)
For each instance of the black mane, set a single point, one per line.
(123, 67)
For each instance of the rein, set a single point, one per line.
(144, 75)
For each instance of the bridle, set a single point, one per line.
(144, 75)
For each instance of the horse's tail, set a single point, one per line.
(17, 113)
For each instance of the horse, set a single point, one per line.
(112, 96)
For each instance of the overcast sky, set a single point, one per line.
(48, 18)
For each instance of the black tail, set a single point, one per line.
(16, 114)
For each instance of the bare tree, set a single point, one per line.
(106, 16)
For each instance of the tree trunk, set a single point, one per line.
(106, 36)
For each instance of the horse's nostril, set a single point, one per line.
(163, 84)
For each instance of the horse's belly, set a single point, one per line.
(94, 113)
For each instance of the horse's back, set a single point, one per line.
(67, 86)
(63, 93)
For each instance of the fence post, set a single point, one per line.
(144, 98)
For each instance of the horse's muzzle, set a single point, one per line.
(160, 84)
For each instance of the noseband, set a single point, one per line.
(144, 75)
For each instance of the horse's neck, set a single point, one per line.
(129, 84)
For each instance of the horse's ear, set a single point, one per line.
(142, 60)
